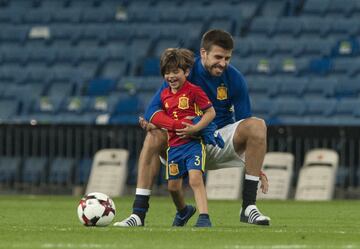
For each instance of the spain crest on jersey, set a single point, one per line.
(173, 169)
(222, 93)
(183, 103)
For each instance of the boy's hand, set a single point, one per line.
(188, 131)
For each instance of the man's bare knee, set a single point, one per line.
(249, 130)
(256, 129)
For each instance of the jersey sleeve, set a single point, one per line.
(240, 97)
(201, 99)
(155, 104)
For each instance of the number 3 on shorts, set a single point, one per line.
(197, 160)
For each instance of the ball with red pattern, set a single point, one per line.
(96, 209)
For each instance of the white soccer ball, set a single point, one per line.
(96, 209)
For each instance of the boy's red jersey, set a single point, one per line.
(188, 101)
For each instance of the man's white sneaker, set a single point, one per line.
(252, 215)
(132, 221)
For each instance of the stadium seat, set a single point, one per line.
(165, 43)
(315, 27)
(278, 166)
(317, 176)
(66, 15)
(347, 88)
(82, 171)
(113, 69)
(37, 16)
(60, 89)
(291, 87)
(320, 88)
(262, 108)
(263, 26)
(100, 87)
(344, 112)
(61, 171)
(9, 170)
(315, 7)
(339, 9)
(9, 107)
(35, 170)
(288, 111)
(287, 27)
(318, 111)
(274, 8)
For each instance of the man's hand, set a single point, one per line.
(146, 125)
(264, 183)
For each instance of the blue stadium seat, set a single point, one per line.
(9, 107)
(224, 24)
(315, 27)
(14, 34)
(113, 69)
(263, 87)
(9, 170)
(340, 9)
(287, 27)
(288, 47)
(13, 54)
(39, 54)
(344, 112)
(344, 28)
(165, 43)
(274, 8)
(61, 171)
(98, 15)
(347, 88)
(315, 7)
(343, 66)
(263, 26)
(262, 47)
(242, 47)
(292, 87)
(127, 110)
(320, 88)
(66, 15)
(151, 66)
(35, 170)
(37, 16)
(100, 87)
(262, 108)
(140, 84)
(288, 111)
(60, 89)
(319, 110)
(82, 171)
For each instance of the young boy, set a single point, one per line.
(185, 156)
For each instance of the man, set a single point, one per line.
(244, 136)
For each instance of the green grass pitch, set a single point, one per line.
(52, 222)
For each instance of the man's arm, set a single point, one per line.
(240, 97)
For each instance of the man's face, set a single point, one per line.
(215, 60)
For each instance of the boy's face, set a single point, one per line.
(176, 78)
(216, 59)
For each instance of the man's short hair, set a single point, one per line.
(217, 37)
(174, 58)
